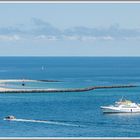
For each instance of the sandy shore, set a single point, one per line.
(25, 80)
(16, 80)
(5, 89)
(11, 89)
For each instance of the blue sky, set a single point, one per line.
(70, 29)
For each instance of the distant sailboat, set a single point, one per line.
(42, 68)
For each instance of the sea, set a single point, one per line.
(69, 114)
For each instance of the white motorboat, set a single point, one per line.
(10, 118)
(122, 106)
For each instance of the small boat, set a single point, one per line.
(122, 106)
(10, 117)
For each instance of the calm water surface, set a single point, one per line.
(80, 110)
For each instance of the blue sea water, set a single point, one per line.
(70, 114)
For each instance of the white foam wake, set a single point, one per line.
(44, 121)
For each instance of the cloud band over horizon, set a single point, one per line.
(41, 29)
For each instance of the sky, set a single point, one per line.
(69, 29)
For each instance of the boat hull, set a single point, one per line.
(120, 110)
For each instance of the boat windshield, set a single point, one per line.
(123, 102)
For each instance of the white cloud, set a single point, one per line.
(45, 37)
(9, 37)
(131, 38)
(74, 37)
(88, 38)
(107, 38)
(46, 31)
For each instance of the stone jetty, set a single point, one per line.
(7, 90)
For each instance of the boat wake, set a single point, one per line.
(44, 121)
